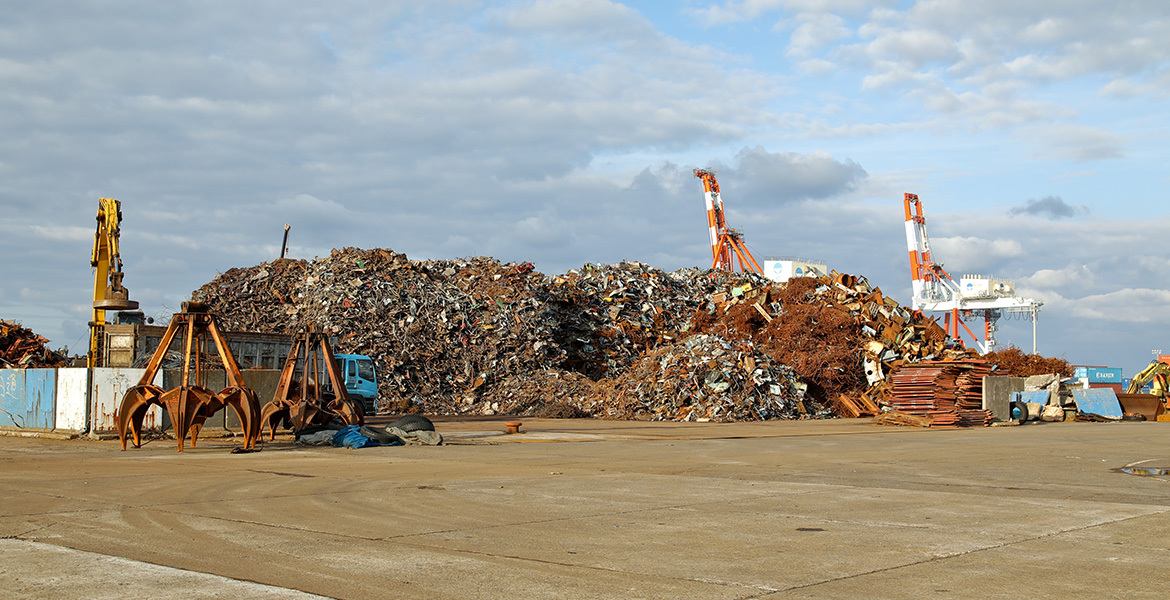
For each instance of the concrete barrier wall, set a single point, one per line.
(106, 390)
(27, 398)
(47, 399)
(997, 393)
(261, 381)
(70, 405)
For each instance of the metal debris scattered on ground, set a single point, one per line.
(20, 348)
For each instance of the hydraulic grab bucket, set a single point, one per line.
(300, 403)
(190, 404)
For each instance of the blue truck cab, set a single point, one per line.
(361, 379)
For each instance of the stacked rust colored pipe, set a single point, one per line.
(949, 392)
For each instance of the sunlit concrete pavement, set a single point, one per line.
(595, 509)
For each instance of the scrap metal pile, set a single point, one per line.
(704, 378)
(475, 336)
(20, 348)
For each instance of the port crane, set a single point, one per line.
(727, 245)
(973, 297)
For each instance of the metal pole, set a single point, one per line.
(1033, 329)
(284, 244)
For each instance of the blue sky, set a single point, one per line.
(564, 132)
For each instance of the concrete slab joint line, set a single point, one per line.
(935, 559)
(116, 577)
(748, 510)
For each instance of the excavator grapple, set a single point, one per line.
(299, 403)
(190, 404)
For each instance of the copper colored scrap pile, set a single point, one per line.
(20, 348)
(895, 332)
(949, 392)
(1012, 361)
(705, 378)
(839, 333)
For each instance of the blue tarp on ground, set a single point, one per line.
(1097, 401)
(350, 437)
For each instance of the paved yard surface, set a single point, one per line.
(595, 509)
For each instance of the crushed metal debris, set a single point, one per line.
(624, 341)
(20, 348)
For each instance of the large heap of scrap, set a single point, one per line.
(704, 378)
(468, 336)
(474, 336)
(20, 348)
(1013, 362)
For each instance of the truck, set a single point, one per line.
(361, 379)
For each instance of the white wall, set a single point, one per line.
(70, 409)
(109, 385)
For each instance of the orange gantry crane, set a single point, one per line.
(972, 297)
(726, 243)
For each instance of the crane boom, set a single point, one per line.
(934, 290)
(727, 245)
(108, 291)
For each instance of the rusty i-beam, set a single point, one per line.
(190, 404)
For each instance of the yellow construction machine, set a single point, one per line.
(1154, 404)
(1157, 375)
(108, 291)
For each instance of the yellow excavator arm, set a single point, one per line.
(108, 292)
(1158, 373)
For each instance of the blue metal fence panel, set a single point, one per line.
(1098, 401)
(27, 397)
(1040, 397)
(40, 393)
(12, 399)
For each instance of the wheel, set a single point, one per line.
(414, 423)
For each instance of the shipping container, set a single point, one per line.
(1098, 374)
(1116, 387)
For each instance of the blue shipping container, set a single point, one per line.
(1099, 374)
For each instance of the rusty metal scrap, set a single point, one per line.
(475, 336)
(190, 404)
(468, 336)
(705, 378)
(20, 348)
(944, 391)
(304, 402)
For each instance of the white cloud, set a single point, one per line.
(595, 18)
(1077, 143)
(733, 11)
(814, 32)
(969, 254)
(1141, 305)
(63, 234)
(1073, 275)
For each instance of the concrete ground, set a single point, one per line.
(596, 509)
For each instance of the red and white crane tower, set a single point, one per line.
(975, 296)
(726, 243)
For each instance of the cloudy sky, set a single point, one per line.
(565, 131)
